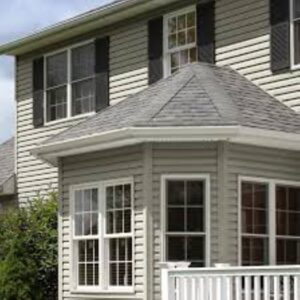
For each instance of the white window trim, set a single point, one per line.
(104, 287)
(166, 52)
(271, 234)
(68, 84)
(207, 234)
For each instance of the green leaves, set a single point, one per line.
(28, 251)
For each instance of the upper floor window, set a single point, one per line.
(270, 218)
(70, 86)
(180, 39)
(295, 19)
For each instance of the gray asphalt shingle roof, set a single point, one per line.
(7, 160)
(198, 95)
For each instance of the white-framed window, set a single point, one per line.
(180, 39)
(269, 225)
(295, 32)
(186, 219)
(102, 236)
(69, 82)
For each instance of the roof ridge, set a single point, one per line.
(182, 78)
(183, 85)
(215, 91)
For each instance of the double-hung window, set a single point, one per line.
(103, 236)
(180, 39)
(295, 32)
(270, 219)
(185, 219)
(70, 85)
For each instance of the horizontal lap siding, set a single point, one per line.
(243, 42)
(99, 166)
(128, 75)
(253, 162)
(182, 159)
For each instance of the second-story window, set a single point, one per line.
(180, 39)
(70, 86)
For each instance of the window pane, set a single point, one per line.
(288, 211)
(127, 220)
(195, 219)
(254, 208)
(83, 97)
(86, 212)
(254, 251)
(83, 62)
(297, 42)
(176, 220)
(120, 261)
(109, 197)
(88, 262)
(57, 104)
(191, 19)
(57, 69)
(119, 196)
(288, 252)
(175, 192)
(181, 22)
(296, 9)
(127, 195)
(195, 192)
(176, 248)
(172, 25)
(195, 251)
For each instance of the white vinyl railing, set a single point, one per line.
(231, 283)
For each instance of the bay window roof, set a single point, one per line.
(199, 96)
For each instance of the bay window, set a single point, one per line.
(70, 83)
(103, 236)
(270, 222)
(180, 39)
(186, 219)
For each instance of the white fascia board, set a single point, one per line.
(132, 136)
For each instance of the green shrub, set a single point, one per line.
(28, 251)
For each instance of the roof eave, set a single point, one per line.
(132, 136)
(66, 28)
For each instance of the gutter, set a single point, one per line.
(12, 48)
(132, 136)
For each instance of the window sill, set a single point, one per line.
(98, 291)
(69, 119)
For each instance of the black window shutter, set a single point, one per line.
(155, 49)
(280, 35)
(38, 92)
(102, 72)
(206, 32)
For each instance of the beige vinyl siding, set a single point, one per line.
(242, 160)
(243, 42)
(182, 158)
(99, 166)
(128, 75)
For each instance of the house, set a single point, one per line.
(8, 196)
(170, 129)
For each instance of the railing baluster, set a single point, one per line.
(286, 288)
(266, 287)
(219, 287)
(257, 288)
(228, 287)
(193, 289)
(201, 289)
(296, 287)
(238, 288)
(248, 288)
(276, 288)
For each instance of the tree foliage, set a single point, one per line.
(28, 251)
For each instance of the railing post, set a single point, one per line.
(165, 281)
